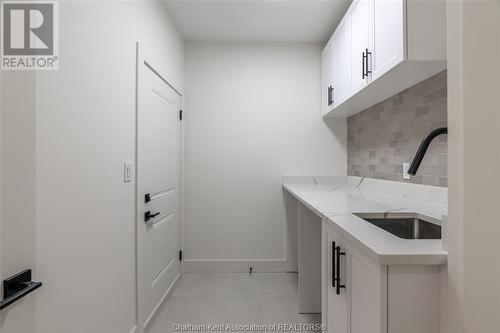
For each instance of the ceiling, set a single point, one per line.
(257, 20)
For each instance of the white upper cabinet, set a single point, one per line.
(388, 36)
(382, 47)
(361, 43)
(327, 78)
(342, 62)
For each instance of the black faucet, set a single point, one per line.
(419, 156)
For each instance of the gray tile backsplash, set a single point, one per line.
(381, 138)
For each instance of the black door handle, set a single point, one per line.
(148, 216)
(330, 95)
(17, 287)
(337, 279)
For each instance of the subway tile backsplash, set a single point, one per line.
(383, 137)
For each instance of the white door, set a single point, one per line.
(327, 77)
(388, 35)
(17, 199)
(342, 61)
(360, 43)
(337, 302)
(158, 190)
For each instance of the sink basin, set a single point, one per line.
(405, 225)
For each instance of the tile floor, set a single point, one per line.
(233, 299)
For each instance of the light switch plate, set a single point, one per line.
(127, 172)
(406, 166)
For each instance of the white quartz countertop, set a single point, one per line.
(337, 198)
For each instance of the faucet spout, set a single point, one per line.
(419, 156)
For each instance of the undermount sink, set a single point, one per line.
(404, 225)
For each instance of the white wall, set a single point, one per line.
(85, 115)
(474, 157)
(252, 115)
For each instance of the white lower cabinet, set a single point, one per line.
(363, 296)
(356, 289)
(336, 302)
(366, 285)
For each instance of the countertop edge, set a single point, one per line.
(433, 259)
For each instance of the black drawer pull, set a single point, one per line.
(333, 264)
(339, 285)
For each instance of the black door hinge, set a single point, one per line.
(180, 255)
(180, 114)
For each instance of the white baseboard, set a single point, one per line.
(238, 266)
(162, 300)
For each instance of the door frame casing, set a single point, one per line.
(143, 60)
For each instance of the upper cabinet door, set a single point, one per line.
(327, 78)
(361, 35)
(342, 61)
(388, 35)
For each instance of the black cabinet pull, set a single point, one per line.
(337, 279)
(368, 71)
(330, 95)
(363, 61)
(333, 264)
(148, 216)
(365, 65)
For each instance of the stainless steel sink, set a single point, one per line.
(405, 225)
